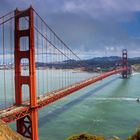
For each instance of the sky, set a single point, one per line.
(91, 28)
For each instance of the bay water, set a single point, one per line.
(108, 108)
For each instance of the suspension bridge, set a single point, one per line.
(31, 54)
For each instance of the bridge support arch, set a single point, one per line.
(27, 126)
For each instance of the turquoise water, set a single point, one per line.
(107, 107)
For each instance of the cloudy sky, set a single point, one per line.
(90, 27)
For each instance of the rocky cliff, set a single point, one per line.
(6, 133)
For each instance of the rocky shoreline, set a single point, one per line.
(136, 68)
(6, 133)
(86, 136)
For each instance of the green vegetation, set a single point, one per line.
(86, 136)
(6, 133)
(136, 136)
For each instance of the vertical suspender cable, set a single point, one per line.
(46, 70)
(62, 65)
(54, 57)
(58, 58)
(38, 81)
(65, 59)
(11, 65)
(51, 62)
(42, 43)
(3, 45)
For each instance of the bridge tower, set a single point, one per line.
(124, 63)
(27, 126)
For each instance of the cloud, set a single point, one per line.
(101, 7)
(89, 25)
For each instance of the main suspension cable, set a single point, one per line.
(57, 36)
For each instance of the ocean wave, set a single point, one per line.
(135, 73)
(116, 99)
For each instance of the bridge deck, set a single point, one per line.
(16, 112)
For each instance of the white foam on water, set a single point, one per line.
(115, 99)
(135, 73)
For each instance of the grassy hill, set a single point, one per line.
(6, 133)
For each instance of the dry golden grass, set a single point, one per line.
(6, 133)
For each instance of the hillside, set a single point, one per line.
(136, 67)
(91, 65)
(6, 133)
(86, 136)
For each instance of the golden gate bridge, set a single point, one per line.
(29, 49)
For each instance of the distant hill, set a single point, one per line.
(104, 62)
